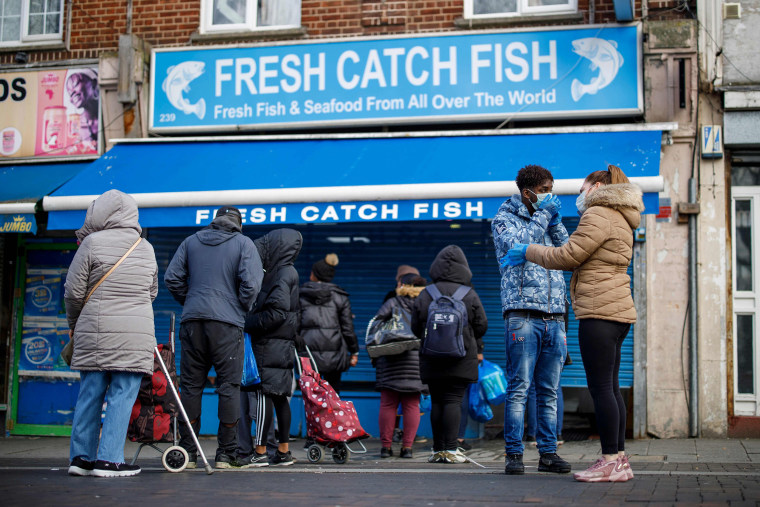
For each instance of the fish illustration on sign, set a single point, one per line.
(603, 55)
(177, 81)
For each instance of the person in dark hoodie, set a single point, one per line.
(215, 275)
(327, 325)
(273, 325)
(448, 377)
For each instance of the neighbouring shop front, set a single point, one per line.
(376, 199)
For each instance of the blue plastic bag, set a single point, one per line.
(491, 378)
(426, 404)
(479, 408)
(250, 370)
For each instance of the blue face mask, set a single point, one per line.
(580, 203)
(540, 198)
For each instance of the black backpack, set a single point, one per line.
(447, 318)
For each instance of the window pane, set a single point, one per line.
(35, 24)
(540, 3)
(745, 176)
(743, 240)
(51, 23)
(36, 6)
(279, 12)
(745, 375)
(493, 6)
(11, 29)
(53, 6)
(228, 12)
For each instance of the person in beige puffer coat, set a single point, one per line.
(598, 253)
(113, 331)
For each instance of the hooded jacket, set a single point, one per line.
(528, 286)
(216, 273)
(273, 322)
(599, 252)
(448, 271)
(400, 372)
(327, 325)
(114, 330)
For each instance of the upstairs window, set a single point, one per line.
(503, 8)
(248, 15)
(30, 21)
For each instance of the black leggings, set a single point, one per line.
(267, 406)
(601, 342)
(446, 398)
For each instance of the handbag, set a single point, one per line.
(491, 378)
(250, 370)
(67, 352)
(392, 336)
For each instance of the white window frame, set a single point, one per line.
(26, 38)
(523, 9)
(251, 19)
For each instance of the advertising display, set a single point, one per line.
(570, 72)
(49, 113)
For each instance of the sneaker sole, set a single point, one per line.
(191, 465)
(80, 472)
(225, 465)
(109, 473)
(624, 478)
(514, 472)
(255, 465)
(555, 471)
(284, 464)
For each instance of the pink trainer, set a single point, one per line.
(627, 466)
(603, 471)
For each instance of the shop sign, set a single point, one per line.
(23, 223)
(570, 72)
(50, 113)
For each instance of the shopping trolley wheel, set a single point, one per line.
(315, 453)
(175, 459)
(340, 454)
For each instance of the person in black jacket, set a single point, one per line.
(215, 275)
(273, 325)
(398, 376)
(448, 377)
(327, 323)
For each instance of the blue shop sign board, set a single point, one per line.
(18, 222)
(571, 72)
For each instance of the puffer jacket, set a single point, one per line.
(215, 273)
(448, 271)
(528, 286)
(400, 372)
(114, 330)
(599, 252)
(327, 325)
(273, 323)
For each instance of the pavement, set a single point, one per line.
(697, 471)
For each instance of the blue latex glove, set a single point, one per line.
(552, 205)
(556, 220)
(515, 256)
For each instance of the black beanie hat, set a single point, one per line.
(230, 210)
(324, 269)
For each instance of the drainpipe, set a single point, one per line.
(693, 366)
(591, 11)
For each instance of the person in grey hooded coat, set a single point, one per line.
(113, 331)
(216, 275)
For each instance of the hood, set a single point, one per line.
(515, 206)
(112, 210)
(409, 290)
(279, 247)
(623, 197)
(450, 265)
(220, 230)
(319, 293)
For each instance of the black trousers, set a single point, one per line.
(207, 343)
(445, 415)
(267, 406)
(601, 342)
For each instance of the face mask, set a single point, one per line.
(541, 198)
(580, 203)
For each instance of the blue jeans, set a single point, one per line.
(121, 390)
(531, 421)
(536, 350)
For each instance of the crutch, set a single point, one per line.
(209, 470)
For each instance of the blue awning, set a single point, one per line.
(21, 186)
(339, 178)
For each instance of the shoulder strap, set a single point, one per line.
(434, 292)
(461, 292)
(112, 269)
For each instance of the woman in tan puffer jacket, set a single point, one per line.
(598, 253)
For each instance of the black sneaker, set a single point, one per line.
(226, 461)
(386, 452)
(108, 469)
(80, 466)
(255, 460)
(406, 452)
(514, 465)
(464, 444)
(550, 462)
(281, 459)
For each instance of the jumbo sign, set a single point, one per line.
(574, 72)
(24, 223)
